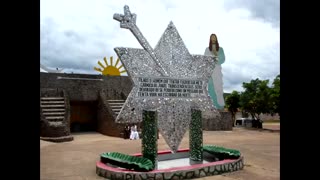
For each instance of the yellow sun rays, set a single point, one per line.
(110, 69)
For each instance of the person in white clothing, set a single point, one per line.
(134, 133)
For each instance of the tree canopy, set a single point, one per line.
(232, 103)
(257, 98)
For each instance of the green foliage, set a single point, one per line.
(225, 95)
(127, 161)
(244, 113)
(232, 103)
(275, 96)
(221, 152)
(196, 137)
(256, 98)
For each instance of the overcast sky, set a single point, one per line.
(76, 34)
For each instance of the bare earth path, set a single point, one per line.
(76, 160)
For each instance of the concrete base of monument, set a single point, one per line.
(174, 166)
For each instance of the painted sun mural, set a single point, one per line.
(108, 69)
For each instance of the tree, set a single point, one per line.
(275, 95)
(232, 103)
(256, 97)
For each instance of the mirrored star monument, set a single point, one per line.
(167, 79)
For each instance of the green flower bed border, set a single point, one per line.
(148, 161)
(127, 161)
(221, 152)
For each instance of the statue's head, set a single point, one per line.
(213, 40)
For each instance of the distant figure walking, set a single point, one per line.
(134, 133)
(126, 132)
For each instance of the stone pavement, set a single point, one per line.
(76, 160)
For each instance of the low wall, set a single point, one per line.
(219, 123)
(262, 116)
(84, 87)
(59, 132)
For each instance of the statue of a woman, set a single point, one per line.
(215, 85)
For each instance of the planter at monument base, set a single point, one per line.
(209, 167)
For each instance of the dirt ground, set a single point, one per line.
(272, 126)
(76, 160)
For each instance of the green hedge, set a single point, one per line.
(221, 152)
(127, 161)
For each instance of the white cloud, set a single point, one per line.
(75, 34)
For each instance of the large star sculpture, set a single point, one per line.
(168, 80)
